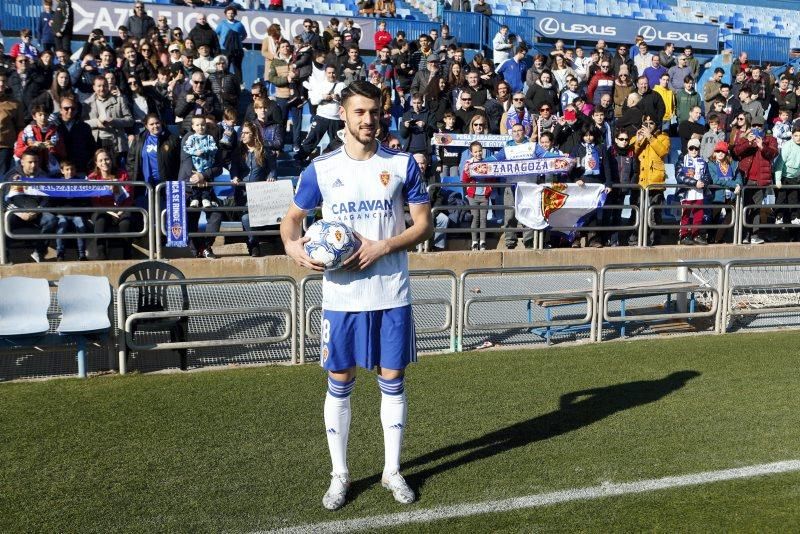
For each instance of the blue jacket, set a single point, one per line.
(729, 179)
(513, 73)
(701, 173)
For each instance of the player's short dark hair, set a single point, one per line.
(361, 88)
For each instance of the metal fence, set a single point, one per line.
(269, 319)
(762, 48)
(6, 212)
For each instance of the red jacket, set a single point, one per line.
(34, 134)
(112, 201)
(382, 39)
(754, 163)
(467, 179)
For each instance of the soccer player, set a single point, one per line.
(366, 318)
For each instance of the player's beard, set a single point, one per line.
(362, 134)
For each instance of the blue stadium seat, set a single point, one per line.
(84, 302)
(23, 308)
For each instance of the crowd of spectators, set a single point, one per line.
(150, 104)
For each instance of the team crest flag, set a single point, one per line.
(177, 231)
(521, 167)
(556, 205)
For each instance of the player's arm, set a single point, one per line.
(291, 230)
(371, 251)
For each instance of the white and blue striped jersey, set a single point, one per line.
(369, 196)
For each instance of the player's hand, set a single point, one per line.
(296, 250)
(368, 253)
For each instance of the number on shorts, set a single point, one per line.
(326, 330)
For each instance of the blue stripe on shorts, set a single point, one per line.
(384, 338)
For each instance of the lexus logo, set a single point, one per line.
(649, 33)
(549, 26)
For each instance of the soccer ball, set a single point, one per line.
(331, 243)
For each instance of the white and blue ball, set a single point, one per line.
(330, 243)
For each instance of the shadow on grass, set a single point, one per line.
(576, 410)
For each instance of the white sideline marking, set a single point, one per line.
(607, 489)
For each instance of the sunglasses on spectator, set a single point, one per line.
(479, 124)
(694, 148)
(197, 81)
(518, 99)
(603, 66)
(133, 82)
(544, 109)
(622, 138)
(67, 108)
(466, 99)
(648, 123)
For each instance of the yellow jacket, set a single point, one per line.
(651, 156)
(668, 96)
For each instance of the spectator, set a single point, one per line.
(691, 61)
(650, 103)
(569, 93)
(104, 222)
(532, 74)
(501, 46)
(652, 146)
(740, 64)
(479, 93)
(755, 150)
(417, 127)
(782, 129)
(325, 95)
(76, 135)
(466, 112)
(269, 46)
(198, 100)
(353, 67)
(518, 137)
(351, 35)
(42, 136)
(140, 23)
(70, 221)
(134, 67)
(444, 41)
(224, 84)
(712, 137)
(723, 174)
(568, 130)
(39, 222)
(44, 27)
(601, 83)
(785, 97)
(202, 147)
(562, 71)
(542, 92)
(204, 34)
(63, 19)
(426, 76)
(666, 94)
(204, 61)
(25, 47)
(513, 70)
(644, 59)
(25, 84)
(625, 171)
(154, 156)
(12, 120)
(437, 100)
(692, 171)
(654, 71)
(482, 8)
(760, 86)
(787, 172)
(163, 29)
(231, 34)
(337, 53)
(275, 5)
(382, 37)
(593, 167)
(269, 120)
(383, 66)
(751, 104)
(251, 162)
(200, 246)
(711, 89)
(109, 117)
(623, 86)
(477, 196)
(678, 73)
(691, 129)
(449, 157)
(666, 56)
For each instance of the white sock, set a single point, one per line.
(394, 411)
(337, 422)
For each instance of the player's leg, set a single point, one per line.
(337, 415)
(398, 349)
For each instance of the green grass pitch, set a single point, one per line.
(243, 450)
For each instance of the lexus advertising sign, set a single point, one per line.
(590, 28)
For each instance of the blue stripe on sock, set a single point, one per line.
(395, 386)
(340, 389)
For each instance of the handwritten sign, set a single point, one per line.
(267, 202)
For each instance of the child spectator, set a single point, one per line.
(449, 157)
(44, 27)
(203, 149)
(228, 136)
(477, 196)
(692, 171)
(787, 172)
(714, 135)
(42, 136)
(782, 129)
(721, 171)
(25, 47)
(68, 221)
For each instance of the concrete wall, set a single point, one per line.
(456, 261)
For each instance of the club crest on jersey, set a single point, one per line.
(324, 354)
(385, 177)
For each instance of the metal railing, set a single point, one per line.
(6, 213)
(573, 296)
(761, 295)
(636, 286)
(125, 321)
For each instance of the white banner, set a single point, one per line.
(540, 206)
(267, 202)
(486, 141)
